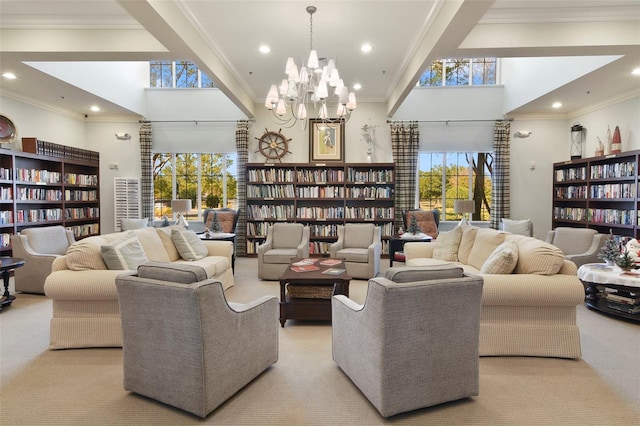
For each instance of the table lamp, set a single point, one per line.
(181, 207)
(465, 207)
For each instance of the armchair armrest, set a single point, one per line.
(414, 250)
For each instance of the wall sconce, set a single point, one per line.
(123, 136)
(181, 206)
(465, 207)
(521, 134)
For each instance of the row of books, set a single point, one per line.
(613, 216)
(6, 174)
(371, 192)
(39, 215)
(571, 192)
(38, 176)
(278, 212)
(80, 179)
(622, 301)
(6, 193)
(614, 170)
(613, 190)
(577, 173)
(80, 195)
(320, 175)
(38, 194)
(5, 240)
(82, 213)
(51, 149)
(371, 175)
(270, 191)
(85, 230)
(369, 213)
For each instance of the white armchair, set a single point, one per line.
(284, 242)
(360, 247)
(579, 245)
(184, 344)
(411, 345)
(38, 247)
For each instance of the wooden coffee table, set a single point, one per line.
(307, 295)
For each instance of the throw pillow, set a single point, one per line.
(466, 243)
(537, 257)
(189, 245)
(503, 260)
(519, 227)
(486, 241)
(124, 254)
(173, 272)
(446, 245)
(131, 224)
(423, 273)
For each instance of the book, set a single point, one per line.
(305, 268)
(304, 262)
(330, 262)
(333, 271)
(623, 299)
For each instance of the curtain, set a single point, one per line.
(146, 171)
(405, 143)
(500, 192)
(242, 147)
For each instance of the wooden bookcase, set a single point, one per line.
(320, 195)
(599, 193)
(38, 190)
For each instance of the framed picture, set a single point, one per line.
(326, 141)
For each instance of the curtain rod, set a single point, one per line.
(447, 121)
(194, 121)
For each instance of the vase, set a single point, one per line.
(616, 142)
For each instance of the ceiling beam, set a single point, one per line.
(168, 23)
(447, 27)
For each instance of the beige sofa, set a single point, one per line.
(530, 290)
(85, 301)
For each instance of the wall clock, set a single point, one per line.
(8, 131)
(273, 145)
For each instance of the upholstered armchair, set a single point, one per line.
(227, 218)
(38, 247)
(284, 242)
(579, 245)
(184, 344)
(359, 245)
(427, 220)
(411, 345)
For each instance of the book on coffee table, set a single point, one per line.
(333, 271)
(305, 268)
(330, 262)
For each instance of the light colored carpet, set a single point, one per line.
(305, 387)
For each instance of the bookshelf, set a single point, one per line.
(321, 196)
(599, 193)
(39, 190)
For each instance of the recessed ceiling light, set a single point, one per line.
(9, 76)
(556, 105)
(264, 49)
(636, 71)
(366, 48)
(95, 108)
(357, 86)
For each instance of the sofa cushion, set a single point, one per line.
(446, 246)
(537, 257)
(85, 255)
(358, 235)
(165, 236)
(503, 260)
(152, 244)
(213, 265)
(485, 243)
(423, 273)
(358, 255)
(279, 255)
(286, 235)
(519, 227)
(125, 253)
(131, 224)
(185, 273)
(466, 242)
(189, 245)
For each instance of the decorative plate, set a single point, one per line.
(8, 131)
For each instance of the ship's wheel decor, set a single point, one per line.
(273, 145)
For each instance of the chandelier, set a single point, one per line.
(310, 90)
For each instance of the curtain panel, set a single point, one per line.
(501, 177)
(405, 143)
(146, 171)
(242, 147)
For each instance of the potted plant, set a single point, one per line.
(610, 251)
(625, 261)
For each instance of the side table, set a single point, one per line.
(7, 265)
(607, 286)
(396, 245)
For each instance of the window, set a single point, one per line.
(444, 177)
(208, 180)
(179, 74)
(460, 72)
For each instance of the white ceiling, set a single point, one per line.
(223, 37)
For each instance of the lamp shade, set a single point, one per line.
(181, 205)
(464, 206)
